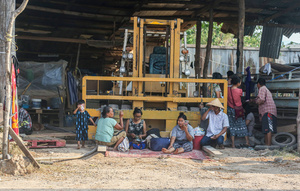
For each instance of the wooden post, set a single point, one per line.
(298, 123)
(8, 61)
(241, 23)
(208, 48)
(198, 51)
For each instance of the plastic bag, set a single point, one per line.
(199, 131)
(124, 145)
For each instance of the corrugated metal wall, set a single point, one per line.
(270, 42)
(224, 58)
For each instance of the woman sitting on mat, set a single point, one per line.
(105, 134)
(136, 127)
(182, 137)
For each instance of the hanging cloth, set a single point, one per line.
(72, 86)
(14, 106)
(248, 83)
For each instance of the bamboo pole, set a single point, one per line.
(8, 43)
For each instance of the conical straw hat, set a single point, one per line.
(216, 103)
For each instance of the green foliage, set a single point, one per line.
(222, 39)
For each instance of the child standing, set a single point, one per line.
(82, 118)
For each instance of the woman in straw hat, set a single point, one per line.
(217, 126)
(237, 125)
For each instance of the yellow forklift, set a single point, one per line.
(154, 76)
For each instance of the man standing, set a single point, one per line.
(217, 126)
(267, 110)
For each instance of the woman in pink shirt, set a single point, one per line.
(237, 126)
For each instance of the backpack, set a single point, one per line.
(158, 143)
(124, 145)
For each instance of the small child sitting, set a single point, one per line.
(250, 119)
(82, 117)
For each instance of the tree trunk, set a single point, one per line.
(208, 48)
(241, 23)
(8, 43)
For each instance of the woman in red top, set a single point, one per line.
(237, 126)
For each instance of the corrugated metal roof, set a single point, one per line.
(289, 31)
(270, 42)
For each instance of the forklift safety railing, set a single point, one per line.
(135, 96)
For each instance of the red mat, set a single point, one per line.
(146, 153)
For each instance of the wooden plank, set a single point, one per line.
(19, 142)
(211, 151)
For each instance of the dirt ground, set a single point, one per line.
(236, 169)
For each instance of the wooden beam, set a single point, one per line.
(23, 148)
(177, 2)
(274, 25)
(90, 6)
(212, 5)
(75, 31)
(94, 43)
(289, 9)
(53, 39)
(240, 48)
(54, 22)
(74, 13)
(116, 28)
